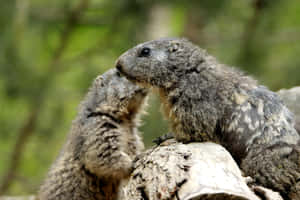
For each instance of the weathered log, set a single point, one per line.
(266, 193)
(187, 171)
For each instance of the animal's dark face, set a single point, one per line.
(158, 62)
(114, 94)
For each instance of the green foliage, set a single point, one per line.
(48, 60)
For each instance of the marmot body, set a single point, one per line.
(101, 145)
(207, 101)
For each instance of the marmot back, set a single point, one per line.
(208, 101)
(101, 145)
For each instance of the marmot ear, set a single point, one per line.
(174, 46)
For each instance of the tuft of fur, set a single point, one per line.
(208, 101)
(102, 144)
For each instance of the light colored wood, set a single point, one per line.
(187, 171)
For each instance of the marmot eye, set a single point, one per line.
(145, 52)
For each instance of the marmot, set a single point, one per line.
(208, 101)
(102, 143)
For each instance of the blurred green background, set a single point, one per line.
(51, 50)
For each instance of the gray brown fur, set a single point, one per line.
(101, 145)
(208, 101)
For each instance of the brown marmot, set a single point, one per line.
(208, 101)
(101, 145)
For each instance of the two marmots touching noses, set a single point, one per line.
(204, 101)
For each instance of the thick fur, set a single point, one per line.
(208, 101)
(101, 145)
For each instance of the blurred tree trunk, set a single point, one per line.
(29, 125)
(193, 27)
(18, 26)
(250, 54)
(159, 24)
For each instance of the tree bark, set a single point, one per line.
(187, 171)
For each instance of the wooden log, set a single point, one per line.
(186, 172)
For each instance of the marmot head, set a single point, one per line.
(162, 62)
(114, 95)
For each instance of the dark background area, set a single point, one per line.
(51, 50)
